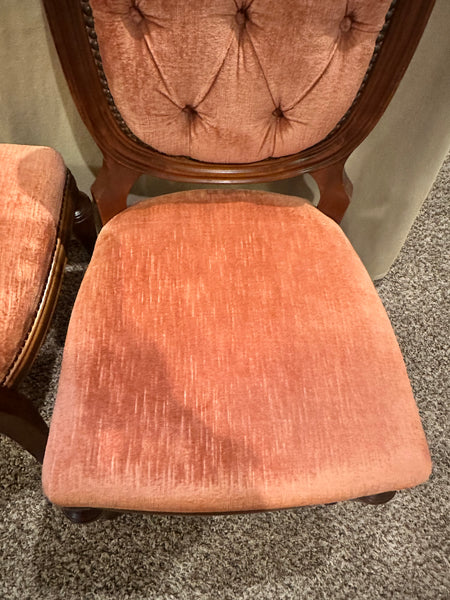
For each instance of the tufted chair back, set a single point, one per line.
(232, 91)
(235, 80)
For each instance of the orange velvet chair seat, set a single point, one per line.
(32, 183)
(228, 351)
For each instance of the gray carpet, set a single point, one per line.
(349, 550)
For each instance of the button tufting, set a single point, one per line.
(136, 15)
(241, 16)
(278, 113)
(190, 111)
(346, 23)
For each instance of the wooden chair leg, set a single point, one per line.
(84, 227)
(21, 421)
(81, 516)
(377, 498)
(335, 190)
(111, 188)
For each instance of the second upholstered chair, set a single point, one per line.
(38, 203)
(227, 350)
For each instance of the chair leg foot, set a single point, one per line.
(84, 222)
(377, 498)
(81, 516)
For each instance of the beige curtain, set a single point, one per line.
(392, 170)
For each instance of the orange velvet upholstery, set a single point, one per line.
(235, 80)
(228, 351)
(32, 182)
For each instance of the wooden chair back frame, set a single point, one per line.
(126, 157)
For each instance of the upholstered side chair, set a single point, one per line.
(227, 350)
(39, 202)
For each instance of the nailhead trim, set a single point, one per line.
(373, 60)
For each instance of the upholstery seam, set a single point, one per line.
(214, 78)
(317, 79)
(170, 92)
(261, 67)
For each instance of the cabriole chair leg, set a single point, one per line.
(335, 188)
(21, 421)
(377, 498)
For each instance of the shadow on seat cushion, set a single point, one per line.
(228, 352)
